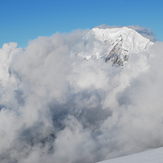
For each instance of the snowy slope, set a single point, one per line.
(151, 156)
(115, 44)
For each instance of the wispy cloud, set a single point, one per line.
(146, 32)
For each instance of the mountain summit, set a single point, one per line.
(112, 44)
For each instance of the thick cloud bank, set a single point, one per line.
(58, 108)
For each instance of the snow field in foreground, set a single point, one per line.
(151, 156)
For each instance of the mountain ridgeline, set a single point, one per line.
(112, 44)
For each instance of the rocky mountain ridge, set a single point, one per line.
(115, 44)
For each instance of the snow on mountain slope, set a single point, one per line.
(114, 44)
(151, 156)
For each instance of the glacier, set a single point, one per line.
(114, 44)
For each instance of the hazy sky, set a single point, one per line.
(28, 19)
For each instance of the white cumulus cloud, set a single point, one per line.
(58, 108)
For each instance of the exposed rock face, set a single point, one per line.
(115, 44)
(115, 54)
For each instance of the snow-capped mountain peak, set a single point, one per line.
(115, 44)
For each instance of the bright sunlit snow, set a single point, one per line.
(112, 44)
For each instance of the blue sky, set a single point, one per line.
(22, 20)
